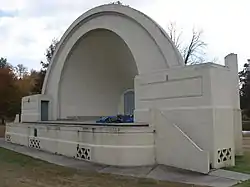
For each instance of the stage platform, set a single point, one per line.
(88, 123)
(130, 144)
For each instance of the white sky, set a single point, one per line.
(28, 26)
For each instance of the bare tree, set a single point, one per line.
(21, 70)
(193, 51)
(174, 34)
(117, 3)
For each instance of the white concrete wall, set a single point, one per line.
(175, 148)
(31, 107)
(127, 146)
(185, 93)
(191, 99)
(98, 71)
(231, 61)
(173, 84)
(222, 101)
(179, 87)
(223, 136)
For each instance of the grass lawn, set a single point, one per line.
(243, 166)
(17, 170)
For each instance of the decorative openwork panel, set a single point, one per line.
(34, 143)
(8, 138)
(83, 153)
(224, 155)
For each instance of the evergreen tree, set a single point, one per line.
(244, 76)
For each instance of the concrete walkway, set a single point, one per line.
(218, 178)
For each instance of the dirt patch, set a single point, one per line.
(2, 131)
(22, 171)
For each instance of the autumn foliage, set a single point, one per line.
(9, 94)
(17, 82)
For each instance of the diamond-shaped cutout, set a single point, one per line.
(8, 138)
(83, 153)
(34, 143)
(221, 155)
(224, 155)
(86, 153)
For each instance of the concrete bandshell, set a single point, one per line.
(150, 46)
(191, 123)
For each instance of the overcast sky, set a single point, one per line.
(28, 26)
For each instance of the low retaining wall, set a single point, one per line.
(118, 146)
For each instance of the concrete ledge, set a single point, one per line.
(116, 146)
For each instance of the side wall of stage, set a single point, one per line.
(117, 146)
(198, 102)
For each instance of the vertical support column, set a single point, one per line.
(141, 113)
(231, 62)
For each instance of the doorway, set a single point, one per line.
(129, 102)
(44, 110)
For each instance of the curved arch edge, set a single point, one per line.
(105, 9)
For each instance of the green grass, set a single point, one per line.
(12, 158)
(242, 166)
(17, 170)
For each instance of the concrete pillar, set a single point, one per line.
(231, 61)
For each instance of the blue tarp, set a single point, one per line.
(116, 119)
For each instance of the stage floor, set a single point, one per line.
(89, 123)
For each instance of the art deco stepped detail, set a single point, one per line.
(115, 60)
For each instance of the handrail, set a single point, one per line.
(183, 133)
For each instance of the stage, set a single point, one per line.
(110, 144)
